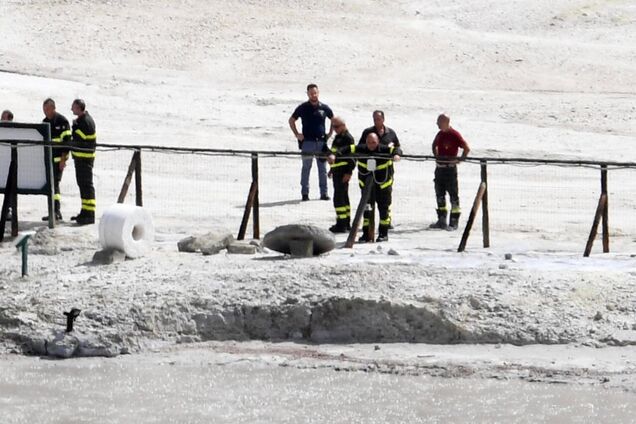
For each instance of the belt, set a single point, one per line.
(446, 165)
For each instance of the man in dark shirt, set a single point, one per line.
(84, 141)
(312, 139)
(446, 145)
(61, 137)
(387, 136)
(341, 172)
(378, 167)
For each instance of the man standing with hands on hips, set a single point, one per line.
(312, 140)
(446, 145)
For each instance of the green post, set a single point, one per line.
(24, 245)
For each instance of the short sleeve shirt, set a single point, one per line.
(387, 138)
(313, 119)
(448, 143)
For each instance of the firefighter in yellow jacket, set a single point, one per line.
(376, 160)
(61, 138)
(341, 172)
(84, 141)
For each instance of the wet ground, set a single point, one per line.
(205, 386)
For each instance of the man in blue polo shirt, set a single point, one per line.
(312, 139)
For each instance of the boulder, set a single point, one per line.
(90, 345)
(108, 256)
(299, 236)
(188, 244)
(213, 243)
(63, 345)
(209, 244)
(241, 248)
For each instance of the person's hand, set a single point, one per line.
(346, 178)
(300, 137)
(330, 174)
(331, 159)
(396, 158)
(62, 165)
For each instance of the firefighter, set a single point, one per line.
(83, 152)
(341, 172)
(60, 136)
(446, 145)
(378, 166)
(388, 137)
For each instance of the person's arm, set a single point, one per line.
(363, 137)
(465, 151)
(66, 142)
(342, 151)
(395, 140)
(292, 125)
(330, 130)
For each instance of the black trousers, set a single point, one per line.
(84, 178)
(57, 178)
(341, 198)
(446, 182)
(383, 198)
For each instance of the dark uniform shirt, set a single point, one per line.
(313, 119)
(84, 136)
(383, 156)
(343, 166)
(387, 138)
(60, 133)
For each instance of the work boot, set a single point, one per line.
(383, 233)
(325, 197)
(86, 218)
(342, 226)
(338, 229)
(441, 220)
(58, 216)
(454, 221)
(364, 238)
(304, 198)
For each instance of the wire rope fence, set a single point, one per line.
(545, 204)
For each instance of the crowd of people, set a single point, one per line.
(79, 140)
(374, 154)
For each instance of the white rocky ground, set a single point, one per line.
(544, 80)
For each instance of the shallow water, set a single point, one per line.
(157, 388)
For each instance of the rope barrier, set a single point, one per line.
(490, 160)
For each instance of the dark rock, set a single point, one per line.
(63, 345)
(188, 244)
(282, 238)
(108, 256)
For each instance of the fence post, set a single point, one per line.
(471, 217)
(364, 199)
(605, 209)
(602, 202)
(138, 188)
(485, 218)
(124, 187)
(9, 199)
(256, 229)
